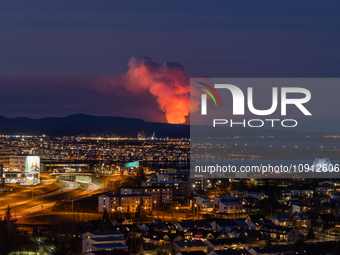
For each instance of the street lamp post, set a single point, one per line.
(197, 211)
(155, 202)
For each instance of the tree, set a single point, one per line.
(337, 248)
(106, 216)
(138, 212)
(8, 214)
(60, 248)
(206, 216)
(310, 234)
(269, 243)
(4, 237)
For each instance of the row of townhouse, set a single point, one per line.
(281, 219)
(233, 236)
(270, 250)
(230, 246)
(103, 241)
(279, 233)
(210, 245)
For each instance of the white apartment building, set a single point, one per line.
(205, 203)
(158, 194)
(230, 207)
(125, 203)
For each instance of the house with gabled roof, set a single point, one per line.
(217, 235)
(255, 224)
(218, 224)
(169, 238)
(282, 219)
(230, 207)
(236, 232)
(302, 220)
(185, 225)
(281, 233)
(255, 217)
(122, 221)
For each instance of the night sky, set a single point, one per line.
(63, 57)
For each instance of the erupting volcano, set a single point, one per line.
(166, 82)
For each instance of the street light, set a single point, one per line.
(197, 211)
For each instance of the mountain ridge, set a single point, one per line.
(76, 124)
(84, 124)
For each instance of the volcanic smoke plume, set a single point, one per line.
(166, 82)
(125, 94)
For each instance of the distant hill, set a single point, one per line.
(77, 124)
(82, 124)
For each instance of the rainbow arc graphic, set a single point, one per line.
(209, 93)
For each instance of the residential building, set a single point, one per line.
(230, 207)
(239, 193)
(258, 195)
(103, 241)
(302, 220)
(158, 194)
(271, 250)
(180, 189)
(282, 219)
(187, 245)
(227, 243)
(125, 203)
(205, 203)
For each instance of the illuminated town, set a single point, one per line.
(112, 195)
(169, 127)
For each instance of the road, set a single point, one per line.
(22, 205)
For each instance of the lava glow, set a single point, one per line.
(166, 82)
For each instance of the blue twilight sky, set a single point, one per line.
(41, 40)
